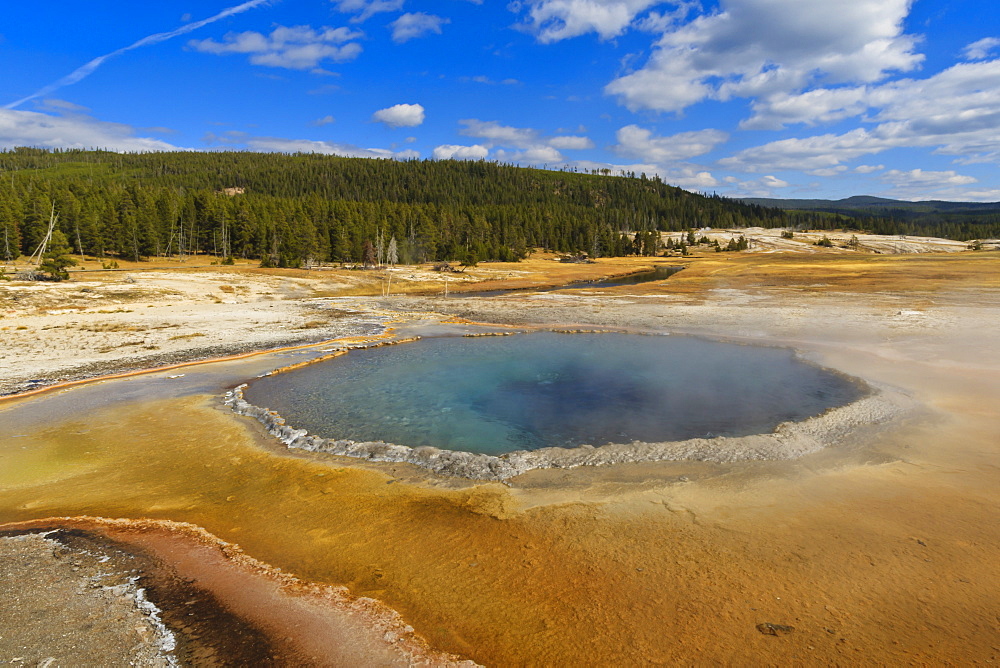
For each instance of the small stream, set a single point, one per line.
(657, 274)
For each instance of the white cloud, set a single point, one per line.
(917, 184)
(759, 48)
(762, 187)
(919, 178)
(981, 49)
(227, 137)
(365, 9)
(536, 155)
(958, 108)
(955, 112)
(503, 135)
(689, 177)
(571, 143)
(868, 169)
(660, 22)
(829, 171)
(822, 105)
(531, 147)
(956, 99)
(636, 142)
(692, 179)
(296, 47)
(455, 152)
(62, 106)
(29, 128)
(411, 26)
(965, 195)
(555, 20)
(817, 152)
(589, 165)
(320, 122)
(400, 115)
(488, 81)
(281, 145)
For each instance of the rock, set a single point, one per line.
(769, 629)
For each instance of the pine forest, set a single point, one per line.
(294, 210)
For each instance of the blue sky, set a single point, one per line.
(779, 98)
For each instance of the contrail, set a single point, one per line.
(86, 70)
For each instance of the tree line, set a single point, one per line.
(290, 210)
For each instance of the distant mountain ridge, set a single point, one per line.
(868, 204)
(964, 221)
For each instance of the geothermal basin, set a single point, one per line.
(499, 395)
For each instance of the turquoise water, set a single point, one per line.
(523, 392)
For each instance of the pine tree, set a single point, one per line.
(470, 259)
(10, 244)
(57, 258)
(36, 223)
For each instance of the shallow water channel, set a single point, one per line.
(658, 274)
(524, 392)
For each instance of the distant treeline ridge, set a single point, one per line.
(287, 210)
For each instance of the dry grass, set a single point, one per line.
(817, 271)
(183, 337)
(113, 327)
(127, 344)
(857, 273)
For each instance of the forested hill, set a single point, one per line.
(951, 220)
(290, 209)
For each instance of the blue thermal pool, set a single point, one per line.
(500, 394)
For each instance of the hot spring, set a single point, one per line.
(496, 395)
